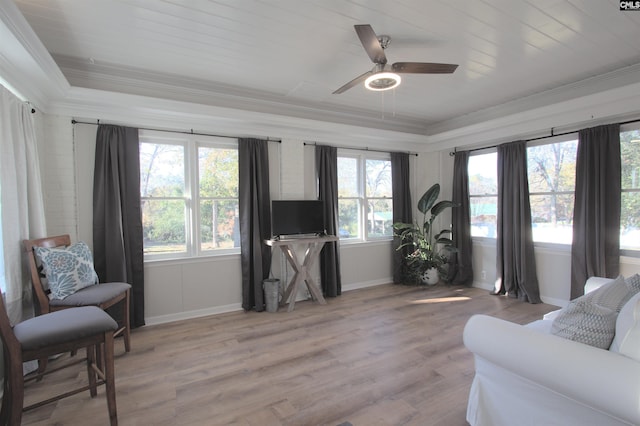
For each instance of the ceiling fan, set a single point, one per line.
(384, 76)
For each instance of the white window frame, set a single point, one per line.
(491, 150)
(630, 252)
(191, 197)
(558, 139)
(548, 141)
(362, 199)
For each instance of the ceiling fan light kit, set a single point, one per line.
(379, 79)
(382, 81)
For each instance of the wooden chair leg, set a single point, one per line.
(7, 393)
(91, 373)
(16, 393)
(42, 366)
(99, 351)
(109, 380)
(127, 323)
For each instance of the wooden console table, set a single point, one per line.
(302, 270)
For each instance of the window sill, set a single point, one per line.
(356, 243)
(192, 259)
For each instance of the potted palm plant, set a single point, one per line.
(427, 251)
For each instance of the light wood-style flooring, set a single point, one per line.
(386, 355)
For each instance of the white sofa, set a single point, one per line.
(526, 376)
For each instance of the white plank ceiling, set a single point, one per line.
(292, 54)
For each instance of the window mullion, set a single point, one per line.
(191, 198)
(362, 197)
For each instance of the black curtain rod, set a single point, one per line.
(453, 153)
(360, 149)
(177, 131)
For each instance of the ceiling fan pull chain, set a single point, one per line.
(394, 103)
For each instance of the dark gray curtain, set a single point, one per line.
(255, 220)
(461, 271)
(515, 263)
(327, 169)
(117, 217)
(596, 214)
(402, 208)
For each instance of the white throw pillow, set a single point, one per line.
(627, 339)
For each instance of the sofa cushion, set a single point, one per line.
(627, 338)
(68, 269)
(586, 322)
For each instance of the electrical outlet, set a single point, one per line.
(483, 275)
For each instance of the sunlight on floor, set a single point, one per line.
(441, 300)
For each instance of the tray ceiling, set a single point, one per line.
(289, 56)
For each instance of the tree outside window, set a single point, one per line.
(189, 195)
(551, 175)
(365, 204)
(162, 191)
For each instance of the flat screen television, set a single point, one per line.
(294, 217)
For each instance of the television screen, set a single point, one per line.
(290, 217)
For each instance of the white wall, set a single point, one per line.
(58, 174)
(187, 288)
(179, 289)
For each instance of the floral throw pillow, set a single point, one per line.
(68, 269)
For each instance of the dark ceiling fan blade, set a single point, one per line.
(353, 82)
(423, 68)
(370, 42)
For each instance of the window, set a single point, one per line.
(365, 203)
(630, 197)
(483, 194)
(551, 174)
(189, 195)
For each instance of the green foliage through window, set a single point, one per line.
(189, 195)
(365, 204)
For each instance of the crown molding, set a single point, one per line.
(606, 106)
(146, 111)
(138, 97)
(116, 78)
(25, 64)
(589, 86)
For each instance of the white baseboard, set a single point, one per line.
(234, 307)
(163, 319)
(482, 285)
(365, 284)
(554, 301)
(548, 300)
